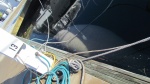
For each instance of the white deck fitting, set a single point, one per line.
(10, 46)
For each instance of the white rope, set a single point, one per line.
(118, 49)
(48, 29)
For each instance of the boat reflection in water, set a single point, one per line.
(6, 8)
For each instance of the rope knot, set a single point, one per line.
(75, 66)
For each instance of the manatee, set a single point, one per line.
(91, 38)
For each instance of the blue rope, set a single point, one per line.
(61, 67)
(25, 76)
(37, 39)
(64, 68)
(45, 60)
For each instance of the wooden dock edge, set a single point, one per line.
(100, 70)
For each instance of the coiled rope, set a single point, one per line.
(62, 69)
(60, 73)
